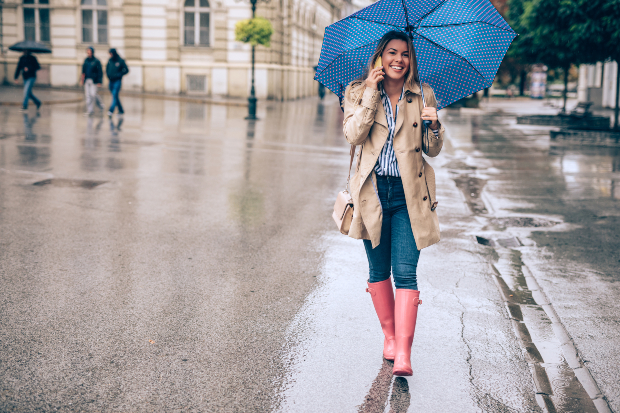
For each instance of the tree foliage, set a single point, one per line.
(544, 28)
(610, 26)
(254, 31)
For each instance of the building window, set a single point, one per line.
(37, 20)
(94, 21)
(196, 18)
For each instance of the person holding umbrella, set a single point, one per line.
(92, 76)
(393, 189)
(115, 69)
(28, 66)
(455, 46)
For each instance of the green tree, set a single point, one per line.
(546, 34)
(520, 54)
(255, 31)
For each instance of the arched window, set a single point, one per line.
(37, 20)
(94, 21)
(196, 18)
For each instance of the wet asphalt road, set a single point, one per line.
(185, 260)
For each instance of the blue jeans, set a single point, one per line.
(28, 84)
(115, 88)
(397, 251)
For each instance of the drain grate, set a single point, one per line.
(523, 222)
(75, 183)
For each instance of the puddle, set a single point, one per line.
(457, 164)
(509, 242)
(75, 183)
(523, 222)
(471, 188)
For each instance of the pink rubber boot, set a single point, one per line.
(383, 300)
(405, 315)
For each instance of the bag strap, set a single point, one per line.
(350, 165)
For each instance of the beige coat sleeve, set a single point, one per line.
(432, 144)
(360, 106)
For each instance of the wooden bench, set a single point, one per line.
(582, 110)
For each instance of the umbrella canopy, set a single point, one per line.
(30, 46)
(459, 44)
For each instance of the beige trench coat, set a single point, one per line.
(365, 124)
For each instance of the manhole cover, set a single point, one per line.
(76, 183)
(523, 222)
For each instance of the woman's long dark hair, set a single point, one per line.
(412, 75)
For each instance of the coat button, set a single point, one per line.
(415, 124)
(417, 149)
(409, 100)
(420, 175)
(425, 198)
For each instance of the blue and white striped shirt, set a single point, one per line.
(386, 164)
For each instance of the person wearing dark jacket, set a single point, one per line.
(28, 66)
(115, 69)
(92, 76)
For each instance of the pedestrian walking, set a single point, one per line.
(393, 191)
(115, 70)
(28, 66)
(92, 76)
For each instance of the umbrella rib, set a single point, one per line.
(450, 51)
(431, 10)
(466, 23)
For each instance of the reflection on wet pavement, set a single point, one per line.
(544, 202)
(206, 275)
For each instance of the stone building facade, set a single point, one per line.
(174, 46)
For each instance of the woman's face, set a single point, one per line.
(396, 59)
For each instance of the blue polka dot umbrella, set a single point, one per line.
(459, 44)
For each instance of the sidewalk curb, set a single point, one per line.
(509, 268)
(544, 390)
(179, 98)
(45, 102)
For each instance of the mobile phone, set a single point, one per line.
(378, 62)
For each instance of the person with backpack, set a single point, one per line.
(115, 69)
(92, 75)
(28, 66)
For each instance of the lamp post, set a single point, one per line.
(252, 98)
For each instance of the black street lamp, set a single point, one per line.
(252, 97)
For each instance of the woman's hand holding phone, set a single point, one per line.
(375, 75)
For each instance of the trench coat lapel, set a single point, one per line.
(401, 114)
(380, 115)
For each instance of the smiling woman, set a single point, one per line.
(393, 190)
